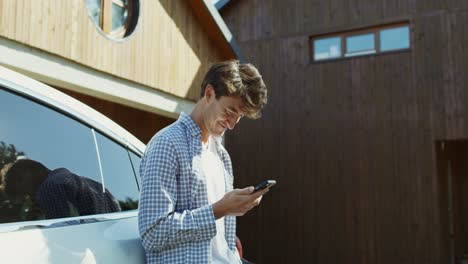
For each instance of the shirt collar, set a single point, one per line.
(193, 128)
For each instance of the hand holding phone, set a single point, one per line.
(265, 184)
(239, 201)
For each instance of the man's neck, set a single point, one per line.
(197, 117)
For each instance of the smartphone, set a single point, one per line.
(265, 184)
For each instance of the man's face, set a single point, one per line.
(222, 113)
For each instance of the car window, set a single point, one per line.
(42, 134)
(118, 172)
(49, 166)
(136, 160)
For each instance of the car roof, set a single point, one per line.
(70, 106)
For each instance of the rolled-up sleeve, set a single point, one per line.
(160, 225)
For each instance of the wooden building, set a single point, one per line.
(139, 62)
(369, 149)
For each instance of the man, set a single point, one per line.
(58, 193)
(187, 204)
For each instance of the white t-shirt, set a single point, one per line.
(213, 169)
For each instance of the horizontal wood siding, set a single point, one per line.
(168, 50)
(351, 142)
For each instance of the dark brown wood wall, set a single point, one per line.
(140, 123)
(351, 142)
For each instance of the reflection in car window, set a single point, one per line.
(47, 136)
(58, 192)
(37, 132)
(118, 173)
(29, 130)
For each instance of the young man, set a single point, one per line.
(187, 204)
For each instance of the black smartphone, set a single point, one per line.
(265, 184)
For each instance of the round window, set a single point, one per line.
(116, 18)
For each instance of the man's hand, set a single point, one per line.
(238, 202)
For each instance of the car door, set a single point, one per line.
(34, 130)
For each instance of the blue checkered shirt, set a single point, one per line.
(176, 222)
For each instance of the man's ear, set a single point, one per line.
(209, 92)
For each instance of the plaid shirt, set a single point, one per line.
(176, 221)
(64, 194)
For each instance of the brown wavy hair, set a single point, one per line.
(232, 78)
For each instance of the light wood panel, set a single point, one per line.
(169, 49)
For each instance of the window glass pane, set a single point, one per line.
(120, 21)
(360, 44)
(61, 144)
(328, 48)
(136, 160)
(47, 136)
(94, 10)
(119, 13)
(394, 38)
(119, 177)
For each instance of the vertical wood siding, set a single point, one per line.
(351, 142)
(168, 50)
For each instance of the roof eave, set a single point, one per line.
(221, 3)
(211, 19)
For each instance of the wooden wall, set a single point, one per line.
(351, 142)
(168, 50)
(140, 123)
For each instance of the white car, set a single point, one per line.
(40, 123)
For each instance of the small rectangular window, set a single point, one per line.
(394, 38)
(327, 48)
(360, 42)
(360, 45)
